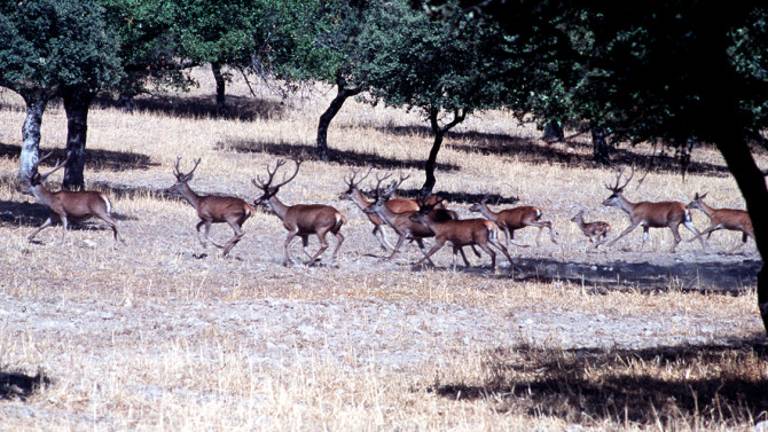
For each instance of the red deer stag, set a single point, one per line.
(212, 209)
(596, 231)
(300, 220)
(69, 204)
(724, 218)
(510, 220)
(664, 214)
(460, 233)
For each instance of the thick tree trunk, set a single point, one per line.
(30, 135)
(553, 132)
(77, 102)
(221, 85)
(751, 182)
(342, 95)
(601, 151)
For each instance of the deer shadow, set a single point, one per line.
(238, 107)
(17, 385)
(95, 159)
(556, 382)
(534, 151)
(343, 157)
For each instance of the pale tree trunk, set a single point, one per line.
(221, 85)
(342, 94)
(751, 182)
(30, 135)
(77, 102)
(439, 134)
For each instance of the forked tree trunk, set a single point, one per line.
(751, 182)
(439, 134)
(601, 151)
(553, 132)
(30, 136)
(77, 102)
(221, 85)
(342, 94)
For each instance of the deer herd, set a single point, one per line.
(412, 220)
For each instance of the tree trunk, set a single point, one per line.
(429, 168)
(221, 86)
(126, 102)
(751, 182)
(342, 95)
(77, 102)
(553, 132)
(601, 151)
(30, 133)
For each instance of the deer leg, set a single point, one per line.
(207, 230)
(438, 244)
(503, 250)
(490, 252)
(646, 236)
(323, 247)
(708, 232)
(396, 249)
(304, 244)
(65, 224)
(676, 234)
(460, 250)
(112, 224)
(420, 242)
(507, 235)
(474, 249)
(48, 222)
(629, 229)
(696, 234)
(339, 241)
(239, 233)
(287, 256)
(378, 232)
(201, 239)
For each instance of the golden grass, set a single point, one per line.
(150, 336)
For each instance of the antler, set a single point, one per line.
(261, 184)
(177, 168)
(352, 181)
(58, 166)
(616, 187)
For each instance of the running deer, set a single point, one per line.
(66, 205)
(724, 218)
(460, 233)
(664, 214)
(515, 218)
(300, 220)
(596, 231)
(212, 209)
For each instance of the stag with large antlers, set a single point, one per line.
(510, 220)
(664, 214)
(66, 205)
(212, 209)
(723, 218)
(300, 220)
(460, 233)
(596, 231)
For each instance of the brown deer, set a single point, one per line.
(596, 231)
(300, 220)
(459, 233)
(664, 214)
(510, 220)
(723, 218)
(212, 209)
(66, 205)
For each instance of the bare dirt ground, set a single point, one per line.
(163, 334)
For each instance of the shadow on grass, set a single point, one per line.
(33, 215)
(535, 151)
(95, 159)
(307, 152)
(17, 385)
(238, 107)
(647, 386)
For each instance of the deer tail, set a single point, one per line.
(106, 203)
(340, 220)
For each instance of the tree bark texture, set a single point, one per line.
(221, 85)
(77, 102)
(30, 136)
(342, 95)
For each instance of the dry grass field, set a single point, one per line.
(163, 334)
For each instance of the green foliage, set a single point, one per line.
(51, 43)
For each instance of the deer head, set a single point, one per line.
(36, 179)
(181, 178)
(267, 187)
(353, 182)
(698, 201)
(617, 189)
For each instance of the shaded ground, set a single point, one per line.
(238, 107)
(95, 159)
(307, 152)
(20, 385)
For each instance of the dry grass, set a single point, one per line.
(152, 336)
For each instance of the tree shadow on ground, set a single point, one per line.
(17, 214)
(535, 151)
(646, 386)
(95, 159)
(17, 385)
(716, 276)
(461, 197)
(238, 107)
(307, 152)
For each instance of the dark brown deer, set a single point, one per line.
(212, 209)
(664, 214)
(510, 220)
(300, 220)
(596, 231)
(66, 205)
(460, 233)
(723, 218)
